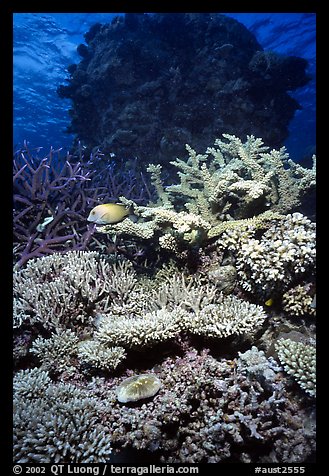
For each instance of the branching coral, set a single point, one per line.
(198, 314)
(230, 315)
(207, 409)
(232, 185)
(30, 383)
(171, 230)
(60, 290)
(253, 362)
(57, 352)
(59, 424)
(138, 332)
(66, 294)
(299, 361)
(240, 179)
(53, 195)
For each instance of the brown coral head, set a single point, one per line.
(137, 388)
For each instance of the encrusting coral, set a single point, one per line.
(211, 411)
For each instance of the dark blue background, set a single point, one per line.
(45, 44)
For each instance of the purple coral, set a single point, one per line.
(53, 196)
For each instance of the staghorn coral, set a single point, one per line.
(284, 253)
(58, 424)
(54, 194)
(299, 361)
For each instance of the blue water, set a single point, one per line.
(45, 44)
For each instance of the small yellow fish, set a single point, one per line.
(108, 213)
(269, 302)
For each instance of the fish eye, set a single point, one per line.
(93, 213)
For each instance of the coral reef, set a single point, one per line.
(284, 253)
(190, 354)
(108, 318)
(53, 195)
(80, 292)
(57, 423)
(299, 361)
(299, 301)
(146, 94)
(211, 411)
(231, 187)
